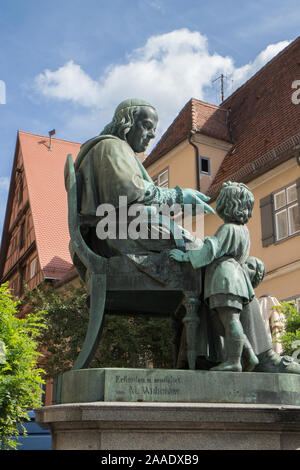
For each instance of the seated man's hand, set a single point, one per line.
(178, 255)
(193, 197)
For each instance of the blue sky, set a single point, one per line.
(66, 64)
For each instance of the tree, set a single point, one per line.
(126, 341)
(20, 376)
(290, 339)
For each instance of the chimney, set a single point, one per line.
(51, 133)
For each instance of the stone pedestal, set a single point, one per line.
(171, 385)
(159, 409)
(171, 426)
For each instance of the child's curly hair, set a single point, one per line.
(235, 203)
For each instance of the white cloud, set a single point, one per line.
(69, 82)
(167, 71)
(4, 183)
(242, 74)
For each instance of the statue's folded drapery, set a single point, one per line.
(109, 169)
(227, 281)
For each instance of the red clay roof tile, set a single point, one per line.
(259, 118)
(44, 171)
(263, 116)
(196, 116)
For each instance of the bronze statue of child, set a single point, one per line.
(227, 283)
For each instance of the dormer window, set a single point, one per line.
(205, 165)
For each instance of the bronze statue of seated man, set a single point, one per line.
(109, 175)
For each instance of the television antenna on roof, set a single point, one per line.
(222, 78)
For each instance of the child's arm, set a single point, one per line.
(199, 257)
(179, 255)
(213, 247)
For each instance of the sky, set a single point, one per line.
(67, 64)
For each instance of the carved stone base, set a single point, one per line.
(182, 426)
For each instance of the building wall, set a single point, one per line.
(21, 264)
(181, 162)
(282, 259)
(181, 165)
(214, 150)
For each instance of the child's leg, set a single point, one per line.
(249, 357)
(234, 339)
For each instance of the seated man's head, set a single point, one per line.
(134, 121)
(234, 203)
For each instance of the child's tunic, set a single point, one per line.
(227, 283)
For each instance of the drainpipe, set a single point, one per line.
(196, 159)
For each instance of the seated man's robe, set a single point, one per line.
(107, 168)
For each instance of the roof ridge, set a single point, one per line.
(46, 137)
(206, 103)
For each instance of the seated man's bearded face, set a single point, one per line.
(143, 129)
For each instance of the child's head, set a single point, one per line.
(234, 203)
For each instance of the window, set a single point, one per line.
(205, 165)
(280, 214)
(22, 234)
(286, 212)
(32, 268)
(162, 178)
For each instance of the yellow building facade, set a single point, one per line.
(281, 258)
(252, 137)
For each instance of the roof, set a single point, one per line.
(196, 116)
(44, 172)
(263, 119)
(259, 119)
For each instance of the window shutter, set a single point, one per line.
(267, 223)
(298, 193)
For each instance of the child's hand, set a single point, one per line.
(178, 255)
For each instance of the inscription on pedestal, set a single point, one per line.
(149, 386)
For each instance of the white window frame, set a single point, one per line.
(286, 208)
(158, 178)
(33, 268)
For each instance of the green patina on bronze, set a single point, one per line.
(163, 385)
(135, 276)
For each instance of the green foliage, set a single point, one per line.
(20, 377)
(134, 342)
(126, 341)
(66, 318)
(291, 334)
